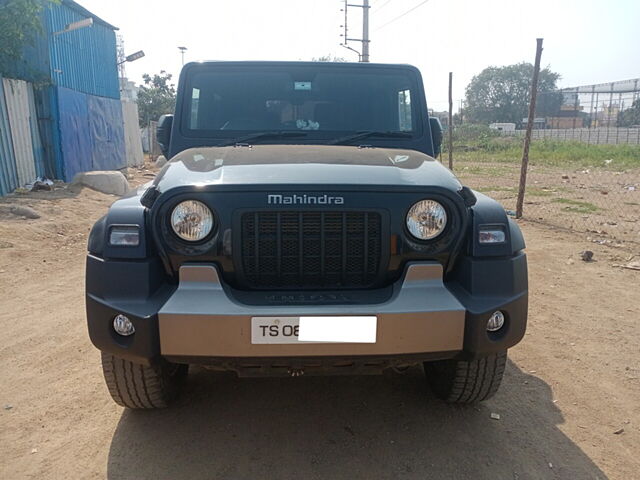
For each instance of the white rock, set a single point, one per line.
(19, 211)
(160, 162)
(112, 182)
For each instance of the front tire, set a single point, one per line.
(461, 381)
(132, 385)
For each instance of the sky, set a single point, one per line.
(585, 41)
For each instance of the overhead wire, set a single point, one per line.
(401, 15)
(378, 8)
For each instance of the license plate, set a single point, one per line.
(285, 330)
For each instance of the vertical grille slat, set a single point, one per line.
(365, 242)
(278, 247)
(257, 243)
(322, 247)
(310, 249)
(300, 246)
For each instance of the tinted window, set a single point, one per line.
(322, 99)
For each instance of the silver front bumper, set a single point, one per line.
(201, 320)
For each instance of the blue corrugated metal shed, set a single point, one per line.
(83, 59)
(92, 68)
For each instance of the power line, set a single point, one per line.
(378, 8)
(402, 15)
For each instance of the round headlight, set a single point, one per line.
(192, 220)
(426, 219)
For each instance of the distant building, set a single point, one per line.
(607, 115)
(538, 123)
(570, 115)
(503, 127)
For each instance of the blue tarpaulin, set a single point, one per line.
(91, 132)
(75, 141)
(107, 130)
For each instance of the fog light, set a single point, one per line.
(123, 326)
(496, 321)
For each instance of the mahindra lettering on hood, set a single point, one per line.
(303, 199)
(302, 226)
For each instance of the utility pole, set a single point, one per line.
(363, 55)
(365, 31)
(527, 135)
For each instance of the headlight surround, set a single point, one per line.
(192, 220)
(426, 219)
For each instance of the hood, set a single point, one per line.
(303, 165)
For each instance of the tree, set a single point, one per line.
(501, 94)
(328, 58)
(630, 116)
(156, 97)
(20, 24)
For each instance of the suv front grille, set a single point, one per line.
(302, 249)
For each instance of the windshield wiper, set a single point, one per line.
(368, 133)
(262, 136)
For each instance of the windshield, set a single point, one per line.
(318, 100)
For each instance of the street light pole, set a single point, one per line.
(182, 50)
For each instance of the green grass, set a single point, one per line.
(576, 206)
(541, 192)
(492, 171)
(552, 153)
(496, 189)
(531, 191)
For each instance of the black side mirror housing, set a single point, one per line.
(163, 133)
(436, 135)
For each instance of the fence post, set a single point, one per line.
(527, 136)
(450, 121)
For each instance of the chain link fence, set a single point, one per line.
(584, 171)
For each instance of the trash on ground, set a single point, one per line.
(40, 183)
(586, 255)
(629, 266)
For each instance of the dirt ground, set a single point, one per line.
(569, 405)
(603, 203)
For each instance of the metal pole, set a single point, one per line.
(618, 115)
(609, 112)
(365, 31)
(597, 122)
(592, 119)
(450, 121)
(527, 135)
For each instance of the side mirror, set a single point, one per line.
(163, 133)
(436, 135)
